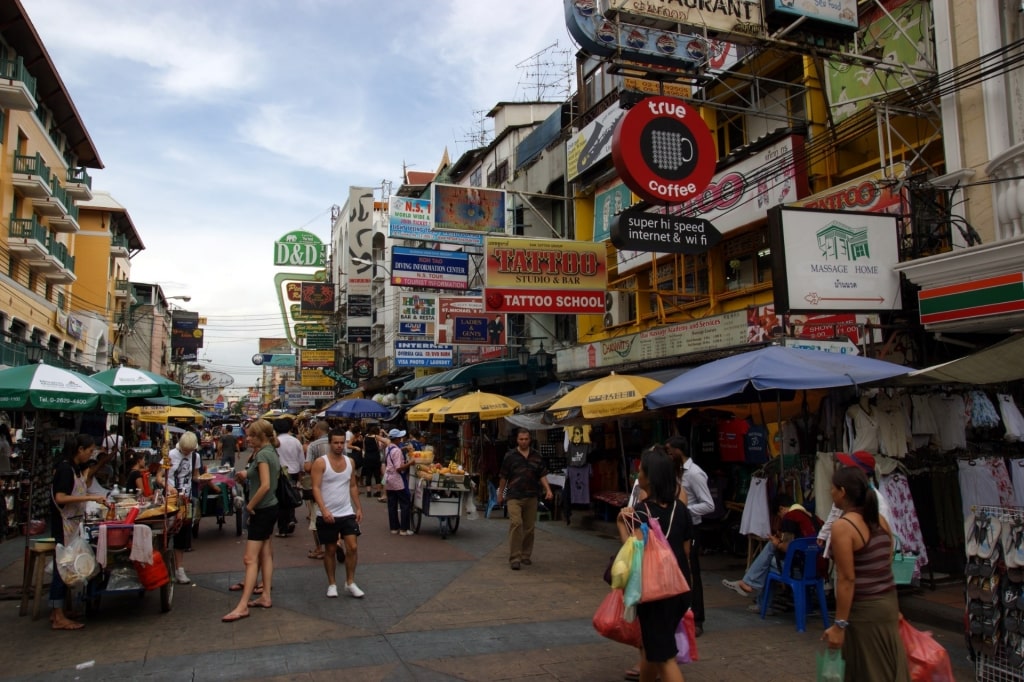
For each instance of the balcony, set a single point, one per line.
(1008, 167)
(68, 222)
(55, 205)
(122, 288)
(27, 239)
(79, 184)
(119, 247)
(31, 176)
(17, 86)
(64, 270)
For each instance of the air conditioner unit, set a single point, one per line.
(616, 308)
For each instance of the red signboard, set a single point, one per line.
(542, 301)
(663, 150)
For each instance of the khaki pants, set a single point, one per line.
(522, 516)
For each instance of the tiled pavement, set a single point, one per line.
(435, 609)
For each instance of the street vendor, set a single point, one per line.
(182, 477)
(69, 496)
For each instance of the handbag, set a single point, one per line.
(662, 577)
(686, 639)
(927, 659)
(287, 496)
(609, 620)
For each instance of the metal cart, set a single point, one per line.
(441, 499)
(117, 558)
(218, 500)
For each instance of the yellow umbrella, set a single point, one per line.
(425, 410)
(277, 414)
(480, 405)
(610, 396)
(161, 414)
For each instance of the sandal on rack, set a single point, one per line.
(971, 527)
(989, 540)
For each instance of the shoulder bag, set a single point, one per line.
(287, 496)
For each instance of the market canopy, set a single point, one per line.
(476, 405)
(610, 396)
(46, 387)
(158, 414)
(137, 383)
(993, 365)
(491, 371)
(773, 367)
(357, 408)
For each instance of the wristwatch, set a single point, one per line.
(841, 624)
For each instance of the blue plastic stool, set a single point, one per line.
(492, 500)
(808, 548)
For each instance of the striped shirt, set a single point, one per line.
(872, 565)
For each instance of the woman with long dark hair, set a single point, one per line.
(69, 495)
(659, 619)
(866, 626)
(261, 478)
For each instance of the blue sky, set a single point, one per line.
(223, 125)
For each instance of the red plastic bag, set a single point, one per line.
(609, 621)
(153, 575)
(686, 639)
(928, 660)
(661, 575)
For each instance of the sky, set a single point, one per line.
(224, 125)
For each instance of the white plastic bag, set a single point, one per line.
(76, 562)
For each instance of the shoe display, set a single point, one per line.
(354, 591)
(181, 577)
(332, 590)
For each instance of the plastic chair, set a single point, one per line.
(808, 549)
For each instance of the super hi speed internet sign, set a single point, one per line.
(664, 151)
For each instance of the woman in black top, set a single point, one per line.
(136, 467)
(372, 475)
(67, 511)
(659, 619)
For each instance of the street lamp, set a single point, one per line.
(542, 362)
(34, 353)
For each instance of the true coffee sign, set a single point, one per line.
(641, 231)
(663, 151)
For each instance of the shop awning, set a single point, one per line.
(993, 365)
(535, 401)
(480, 374)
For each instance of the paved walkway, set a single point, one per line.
(434, 609)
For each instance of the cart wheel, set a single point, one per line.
(238, 523)
(417, 519)
(453, 524)
(443, 526)
(220, 523)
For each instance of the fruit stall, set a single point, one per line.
(438, 492)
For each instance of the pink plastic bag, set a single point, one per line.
(928, 660)
(686, 639)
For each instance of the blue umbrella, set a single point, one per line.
(357, 408)
(769, 369)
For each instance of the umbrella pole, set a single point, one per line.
(622, 450)
(31, 491)
(778, 414)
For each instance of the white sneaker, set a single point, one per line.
(354, 591)
(180, 576)
(332, 590)
(407, 532)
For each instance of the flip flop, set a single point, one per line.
(971, 535)
(70, 625)
(1017, 545)
(315, 554)
(259, 605)
(231, 618)
(1006, 541)
(238, 587)
(974, 587)
(990, 538)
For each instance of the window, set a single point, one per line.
(695, 274)
(731, 134)
(747, 260)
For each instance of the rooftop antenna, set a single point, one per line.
(546, 75)
(478, 135)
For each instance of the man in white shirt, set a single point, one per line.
(700, 503)
(339, 513)
(292, 456)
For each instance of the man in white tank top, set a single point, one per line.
(338, 512)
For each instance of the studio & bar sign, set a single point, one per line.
(642, 231)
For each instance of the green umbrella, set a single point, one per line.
(176, 401)
(137, 383)
(45, 387)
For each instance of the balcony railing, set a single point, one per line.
(20, 92)
(1008, 167)
(28, 228)
(79, 184)
(119, 243)
(36, 181)
(14, 352)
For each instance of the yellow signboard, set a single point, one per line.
(315, 377)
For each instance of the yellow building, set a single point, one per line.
(45, 153)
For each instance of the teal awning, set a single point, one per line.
(480, 374)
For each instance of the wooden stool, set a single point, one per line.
(37, 559)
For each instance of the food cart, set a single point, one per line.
(217, 498)
(439, 497)
(118, 574)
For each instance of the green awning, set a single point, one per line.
(480, 374)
